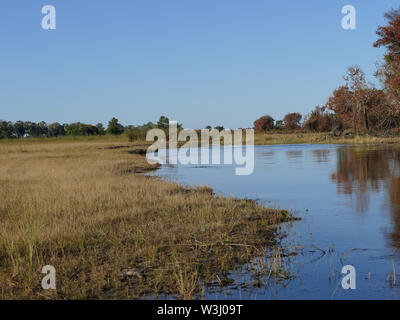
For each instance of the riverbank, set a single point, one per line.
(83, 207)
(320, 138)
(267, 138)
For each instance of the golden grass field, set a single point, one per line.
(110, 232)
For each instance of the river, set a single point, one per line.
(348, 199)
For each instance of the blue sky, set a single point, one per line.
(198, 62)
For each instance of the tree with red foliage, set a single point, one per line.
(379, 112)
(389, 37)
(341, 103)
(358, 105)
(355, 81)
(348, 100)
(292, 121)
(319, 120)
(263, 124)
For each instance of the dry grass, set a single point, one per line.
(111, 233)
(319, 138)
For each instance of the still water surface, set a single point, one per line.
(349, 200)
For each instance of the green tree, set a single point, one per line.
(114, 127)
(6, 130)
(20, 129)
(163, 123)
(279, 124)
(43, 129)
(55, 130)
(32, 129)
(100, 128)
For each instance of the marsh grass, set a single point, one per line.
(111, 233)
(319, 138)
(267, 138)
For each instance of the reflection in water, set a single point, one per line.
(321, 155)
(361, 171)
(349, 200)
(394, 198)
(268, 156)
(294, 155)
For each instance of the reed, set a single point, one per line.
(110, 232)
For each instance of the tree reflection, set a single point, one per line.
(321, 155)
(361, 170)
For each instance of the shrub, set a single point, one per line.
(292, 121)
(264, 123)
(319, 120)
(135, 134)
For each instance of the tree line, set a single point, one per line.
(356, 105)
(24, 129)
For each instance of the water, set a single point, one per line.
(349, 200)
